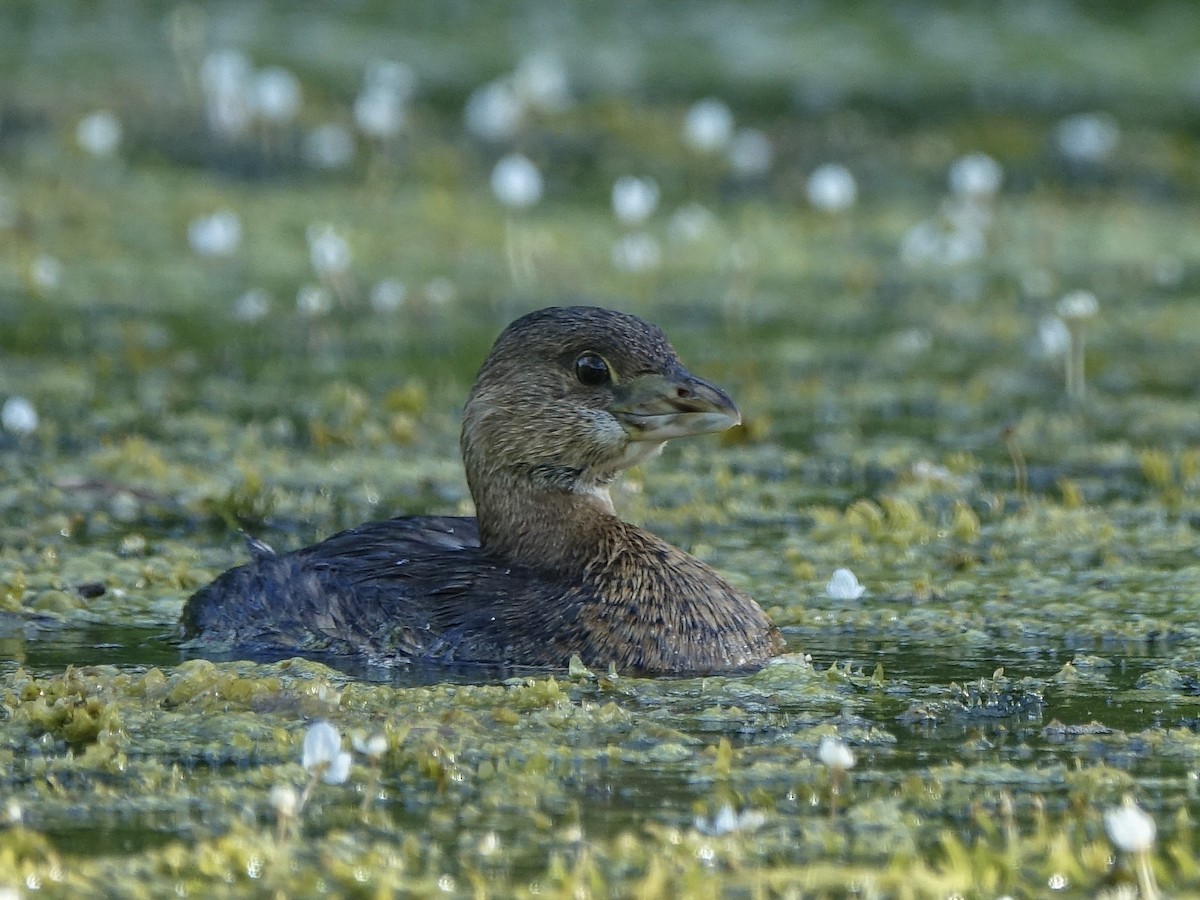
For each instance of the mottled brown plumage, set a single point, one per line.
(567, 398)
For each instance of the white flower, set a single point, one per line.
(691, 223)
(976, 176)
(844, 586)
(636, 252)
(274, 94)
(99, 133)
(224, 78)
(313, 300)
(1053, 337)
(750, 153)
(224, 70)
(323, 753)
(374, 746)
(388, 295)
(835, 754)
(726, 821)
(379, 113)
(708, 125)
(1087, 137)
(328, 146)
(215, 235)
(963, 245)
(440, 291)
(634, 199)
(252, 306)
(541, 81)
(394, 77)
(46, 272)
(328, 251)
(911, 341)
(832, 188)
(516, 182)
(494, 112)
(286, 800)
(1130, 827)
(18, 416)
(1078, 305)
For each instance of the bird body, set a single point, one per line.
(567, 398)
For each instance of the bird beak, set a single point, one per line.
(659, 407)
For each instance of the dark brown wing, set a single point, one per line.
(414, 589)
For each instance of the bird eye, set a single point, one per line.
(592, 370)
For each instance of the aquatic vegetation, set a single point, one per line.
(1027, 654)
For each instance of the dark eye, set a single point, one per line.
(592, 370)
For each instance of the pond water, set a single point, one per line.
(223, 314)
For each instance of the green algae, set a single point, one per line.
(1026, 652)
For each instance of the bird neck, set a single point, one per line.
(542, 518)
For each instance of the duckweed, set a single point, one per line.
(1026, 653)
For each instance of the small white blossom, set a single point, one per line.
(99, 133)
(1053, 337)
(286, 800)
(494, 112)
(46, 272)
(750, 153)
(440, 291)
(637, 252)
(388, 295)
(274, 94)
(708, 125)
(976, 176)
(394, 77)
(1088, 137)
(216, 235)
(963, 245)
(832, 188)
(329, 146)
(726, 821)
(374, 746)
(541, 80)
(313, 300)
(18, 416)
(1130, 827)
(379, 113)
(911, 341)
(328, 250)
(634, 199)
(224, 78)
(835, 754)
(516, 182)
(844, 586)
(323, 753)
(691, 223)
(1078, 305)
(252, 306)
(224, 70)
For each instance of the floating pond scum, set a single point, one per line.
(250, 258)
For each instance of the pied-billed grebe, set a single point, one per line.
(567, 398)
